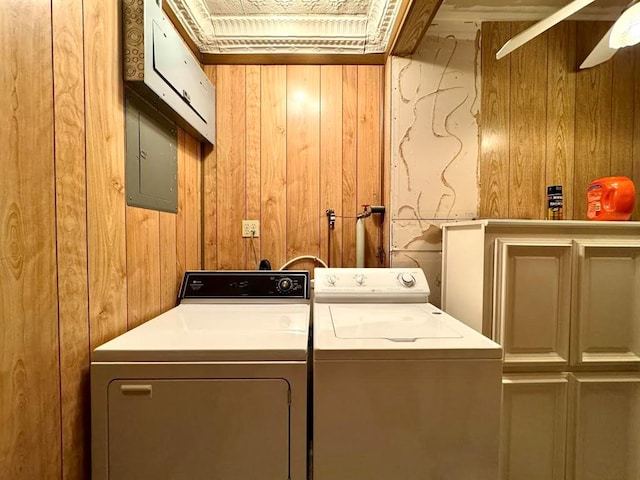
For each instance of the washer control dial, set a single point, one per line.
(331, 279)
(285, 284)
(407, 279)
(359, 278)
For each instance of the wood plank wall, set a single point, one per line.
(78, 266)
(293, 141)
(30, 445)
(544, 122)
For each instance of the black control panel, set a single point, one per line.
(245, 284)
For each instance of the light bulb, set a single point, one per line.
(626, 30)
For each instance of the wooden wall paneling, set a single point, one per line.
(331, 163)
(528, 127)
(30, 444)
(593, 117)
(209, 205)
(188, 220)
(350, 207)
(143, 265)
(636, 135)
(230, 128)
(105, 171)
(303, 163)
(370, 154)
(495, 125)
(252, 212)
(71, 223)
(200, 204)
(622, 112)
(181, 216)
(591, 121)
(193, 203)
(169, 274)
(561, 91)
(273, 164)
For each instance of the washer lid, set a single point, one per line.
(389, 322)
(395, 331)
(221, 332)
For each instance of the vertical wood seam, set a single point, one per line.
(66, 464)
(86, 180)
(126, 264)
(55, 240)
(611, 114)
(248, 245)
(635, 147)
(509, 124)
(200, 205)
(286, 164)
(380, 249)
(215, 179)
(319, 192)
(575, 123)
(545, 174)
(319, 164)
(86, 198)
(354, 201)
(259, 152)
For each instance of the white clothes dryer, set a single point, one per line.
(213, 388)
(401, 390)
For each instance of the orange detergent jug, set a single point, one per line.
(610, 198)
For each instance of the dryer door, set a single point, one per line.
(199, 429)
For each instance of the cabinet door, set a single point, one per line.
(532, 300)
(199, 429)
(534, 415)
(606, 318)
(604, 427)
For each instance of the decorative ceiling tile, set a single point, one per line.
(285, 7)
(288, 26)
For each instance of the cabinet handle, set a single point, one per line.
(136, 389)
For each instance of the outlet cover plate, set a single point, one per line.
(249, 226)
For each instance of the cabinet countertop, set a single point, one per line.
(569, 224)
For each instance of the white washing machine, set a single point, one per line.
(215, 388)
(401, 390)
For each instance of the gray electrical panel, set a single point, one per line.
(160, 67)
(151, 157)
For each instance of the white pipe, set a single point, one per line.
(360, 242)
(304, 257)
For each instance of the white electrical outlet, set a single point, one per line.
(249, 227)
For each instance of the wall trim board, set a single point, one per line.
(293, 59)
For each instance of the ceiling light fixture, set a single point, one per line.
(626, 30)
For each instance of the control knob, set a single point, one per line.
(407, 279)
(359, 278)
(284, 284)
(331, 279)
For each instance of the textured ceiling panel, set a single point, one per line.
(288, 7)
(288, 26)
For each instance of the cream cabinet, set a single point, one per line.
(534, 418)
(604, 427)
(532, 301)
(606, 314)
(563, 300)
